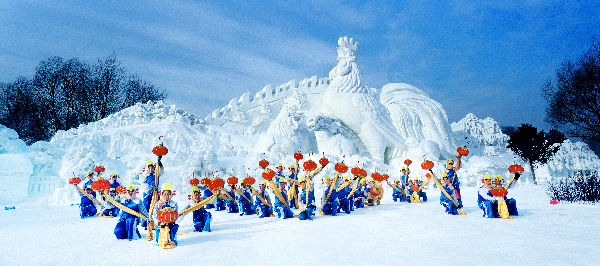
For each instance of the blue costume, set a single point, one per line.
(108, 208)
(421, 194)
(231, 206)
(150, 181)
(283, 212)
(263, 210)
(246, 206)
(201, 218)
(309, 206)
(127, 223)
(87, 207)
(455, 184)
(359, 196)
(277, 175)
(331, 205)
(207, 194)
(114, 184)
(397, 195)
(446, 202)
(489, 204)
(173, 226)
(342, 197)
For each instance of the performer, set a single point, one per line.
(409, 183)
(245, 206)
(263, 210)
(87, 207)
(293, 186)
(221, 205)
(405, 173)
(149, 185)
(232, 207)
(108, 209)
(207, 194)
(373, 193)
(279, 173)
(445, 201)
(307, 205)
(451, 172)
(113, 181)
(127, 224)
(511, 203)
(422, 195)
(89, 179)
(201, 217)
(165, 201)
(329, 205)
(342, 195)
(283, 212)
(360, 194)
(396, 195)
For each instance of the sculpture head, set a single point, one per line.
(347, 48)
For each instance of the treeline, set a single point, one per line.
(66, 93)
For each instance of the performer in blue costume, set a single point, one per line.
(453, 177)
(283, 212)
(245, 206)
(201, 217)
(308, 205)
(166, 201)
(293, 187)
(150, 185)
(331, 204)
(232, 207)
(263, 210)
(360, 194)
(279, 173)
(87, 207)
(89, 179)
(127, 224)
(445, 201)
(396, 195)
(113, 181)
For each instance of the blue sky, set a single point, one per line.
(489, 58)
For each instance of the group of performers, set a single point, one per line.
(340, 194)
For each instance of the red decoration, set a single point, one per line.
(515, 168)
(232, 180)
(194, 181)
(216, 184)
(167, 215)
(376, 176)
(363, 173)
(323, 161)
(249, 180)
(121, 189)
(309, 165)
(463, 151)
(263, 163)
(205, 181)
(101, 184)
(99, 169)
(374, 192)
(427, 165)
(385, 177)
(268, 174)
(428, 174)
(355, 171)
(407, 161)
(74, 180)
(341, 168)
(298, 156)
(160, 150)
(553, 202)
(499, 192)
(414, 188)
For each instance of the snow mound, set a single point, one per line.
(486, 131)
(10, 142)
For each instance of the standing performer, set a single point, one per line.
(89, 179)
(127, 224)
(201, 217)
(279, 172)
(306, 204)
(329, 199)
(149, 185)
(164, 202)
(451, 172)
(113, 181)
(264, 209)
(293, 187)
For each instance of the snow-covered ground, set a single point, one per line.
(388, 234)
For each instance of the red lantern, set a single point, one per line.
(363, 173)
(355, 171)
(298, 156)
(323, 161)
(205, 181)
(232, 180)
(427, 165)
(216, 184)
(499, 192)
(385, 177)
(341, 168)
(463, 151)
(376, 176)
(263, 163)
(249, 181)
(428, 174)
(374, 192)
(309, 165)
(268, 174)
(194, 181)
(74, 180)
(414, 188)
(553, 202)
(515, 168)
(101, 184)
(121, 189)
(167, 215)
(407, 161)
(99, 169)
(160, 150)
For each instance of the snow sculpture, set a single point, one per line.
(288, 132)
(349, 100)
(417, 148)
(331, 136)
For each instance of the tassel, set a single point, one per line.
(150, 229)
(503, 210)
(414, 198)
(164, 239)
